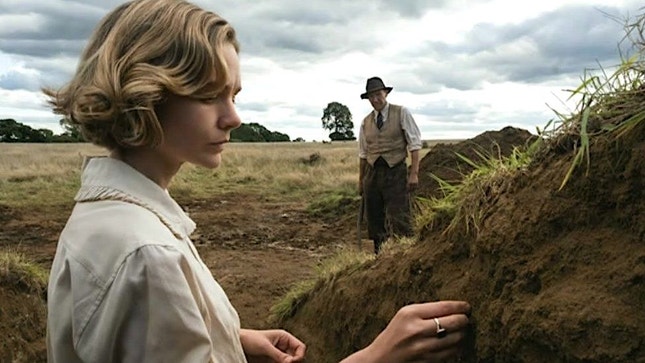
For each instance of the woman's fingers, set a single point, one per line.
(439, 308)
(448, 324)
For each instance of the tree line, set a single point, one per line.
(16, 132)
(336, 118)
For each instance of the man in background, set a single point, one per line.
(386, 136)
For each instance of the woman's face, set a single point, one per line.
(196, 131)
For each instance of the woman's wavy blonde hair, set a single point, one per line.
(140, 52)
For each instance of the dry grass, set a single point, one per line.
(41, 174)
(48, 174)
(278, 170)
(345, 260)
(18, 273)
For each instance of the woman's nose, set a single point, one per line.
(230, 120)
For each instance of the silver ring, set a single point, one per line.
(441, 332)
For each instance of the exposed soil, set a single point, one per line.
(445, 160)
(553, 276)
(255, 248)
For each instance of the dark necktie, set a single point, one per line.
(379, 120)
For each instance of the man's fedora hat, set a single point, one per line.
(374, 84)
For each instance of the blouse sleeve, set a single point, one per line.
(149, 313)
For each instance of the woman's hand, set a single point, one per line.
(271, 346)
(413, 335)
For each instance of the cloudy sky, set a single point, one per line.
(461, 66)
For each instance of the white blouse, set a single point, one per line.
(127, 284)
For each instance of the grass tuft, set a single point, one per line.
(20, 274)
(463, 207)
(345, 260)
(608, 103)
(334, 204)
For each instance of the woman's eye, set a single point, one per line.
(216, 99)
(209, 100)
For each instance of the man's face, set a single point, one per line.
(377, 99)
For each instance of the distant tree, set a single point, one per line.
(269, 136)
(338, 119)
(246, 133)
(72, 134)
(299, 139)
(254, 132)
(14, 131)
(47, 134)
(278, 137)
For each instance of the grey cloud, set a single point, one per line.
(293, 40)
(413, 8)
(309, 13)
(64, 31)
(568, 41)
(42, 47)
(442, 110)
(253, 106)
(306, 111)
(63, 20)
(50, 72)
(414, 83)
(289, 124)
(565, 42)
(19, 81)
(281, 30)
(322, 12)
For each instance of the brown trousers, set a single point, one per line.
(387, 202)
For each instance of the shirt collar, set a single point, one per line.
(106, 178)
(384, 111)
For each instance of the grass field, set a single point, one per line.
(48, 174)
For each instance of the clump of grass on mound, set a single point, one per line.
(18, 273)
(333, 205)
(23, 286)
(397, 244)
(462, 207)
(609, 104)
(345, 261)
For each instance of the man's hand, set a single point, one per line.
(271, 346)
(413, 182)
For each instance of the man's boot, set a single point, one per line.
(377, 245)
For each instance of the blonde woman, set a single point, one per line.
(156, 86)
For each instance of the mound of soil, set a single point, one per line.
(23, 319)
(443, 161)
(552, 275)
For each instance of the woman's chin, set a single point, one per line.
(211, 162)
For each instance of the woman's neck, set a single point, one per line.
(149, 163)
